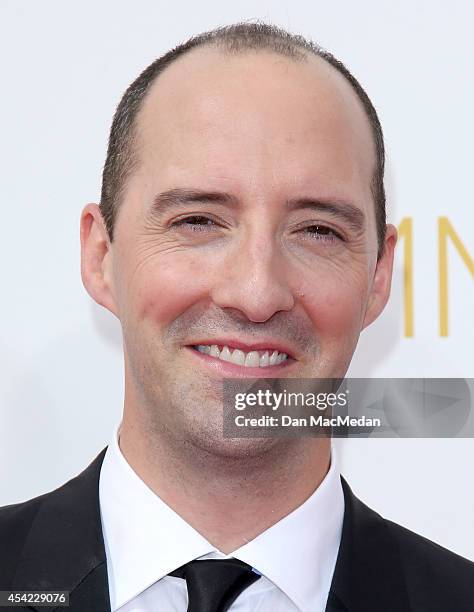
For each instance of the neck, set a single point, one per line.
(203, 487)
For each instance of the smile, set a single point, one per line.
(251, 359)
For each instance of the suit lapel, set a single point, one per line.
(65, 547)
(368, 575)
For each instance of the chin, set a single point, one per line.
(236, 448)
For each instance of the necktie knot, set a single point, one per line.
(213, 585)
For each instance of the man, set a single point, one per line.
(241, 233)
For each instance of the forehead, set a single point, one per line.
(255, 116)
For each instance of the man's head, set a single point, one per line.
(242, 214)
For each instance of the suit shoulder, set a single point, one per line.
(422, 549)
(434, 574)
(15, 524)
(74, 502)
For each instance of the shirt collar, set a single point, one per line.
(145, 539)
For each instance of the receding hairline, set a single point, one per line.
(345, 89)
(235, 39)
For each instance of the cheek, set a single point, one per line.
(166, 289)
(336, 306)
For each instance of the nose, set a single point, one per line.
(253, 279)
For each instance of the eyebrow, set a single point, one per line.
(343, 210)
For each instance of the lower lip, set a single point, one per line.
(226, 369)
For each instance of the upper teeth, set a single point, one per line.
(252, 359)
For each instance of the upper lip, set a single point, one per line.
(268, 344)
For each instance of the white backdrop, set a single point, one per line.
(64, 67)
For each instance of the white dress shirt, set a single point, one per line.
(145, 540)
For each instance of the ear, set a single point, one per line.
(96, 258)
(382, 280)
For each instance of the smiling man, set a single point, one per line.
(241, 233)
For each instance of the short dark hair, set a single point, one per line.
(122, 159)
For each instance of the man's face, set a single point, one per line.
(249, 223)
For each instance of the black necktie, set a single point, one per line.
(213, 585)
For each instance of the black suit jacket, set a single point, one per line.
(55, 542)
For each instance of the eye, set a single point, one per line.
(196, 223)
(322, 232)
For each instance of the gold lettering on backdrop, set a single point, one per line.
(445, 229)
(405, 231)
